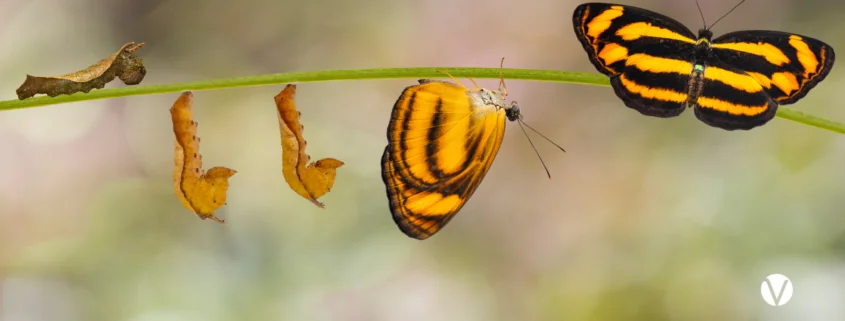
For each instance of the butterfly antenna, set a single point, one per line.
(729, 12)
(535, 150)
(544, 136)
(702, 15)
(456, 79)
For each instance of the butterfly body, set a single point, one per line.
(442, 140)
(658, 67)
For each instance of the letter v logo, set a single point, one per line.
(776, 290)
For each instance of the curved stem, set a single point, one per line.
(807, 119)
(361, 74)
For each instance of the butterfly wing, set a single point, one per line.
(732, 99)
(440, 145)
(752, 72)
(786, 65)
(647, 55)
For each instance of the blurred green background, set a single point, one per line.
(644, 218)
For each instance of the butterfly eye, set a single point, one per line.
(513, 112)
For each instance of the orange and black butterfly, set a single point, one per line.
(659, 67)
(442, 139)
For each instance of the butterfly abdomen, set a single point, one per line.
(695, 84)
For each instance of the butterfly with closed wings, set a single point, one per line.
(442, 140)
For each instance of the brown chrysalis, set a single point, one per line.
(310, 181)
(123, 64)
(200, 191)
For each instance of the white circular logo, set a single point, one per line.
(776, 290)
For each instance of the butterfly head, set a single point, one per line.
(704, 36)
(702, 46)
(512, 111)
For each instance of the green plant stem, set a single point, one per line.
(362, 74)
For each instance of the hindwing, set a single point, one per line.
(731, 99)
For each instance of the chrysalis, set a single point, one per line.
(200, 191)
(310, 181)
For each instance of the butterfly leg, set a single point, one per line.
(456, 79)
(473, 82)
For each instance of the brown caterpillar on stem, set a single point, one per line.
(123, 64)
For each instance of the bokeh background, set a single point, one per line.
(644, 218)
